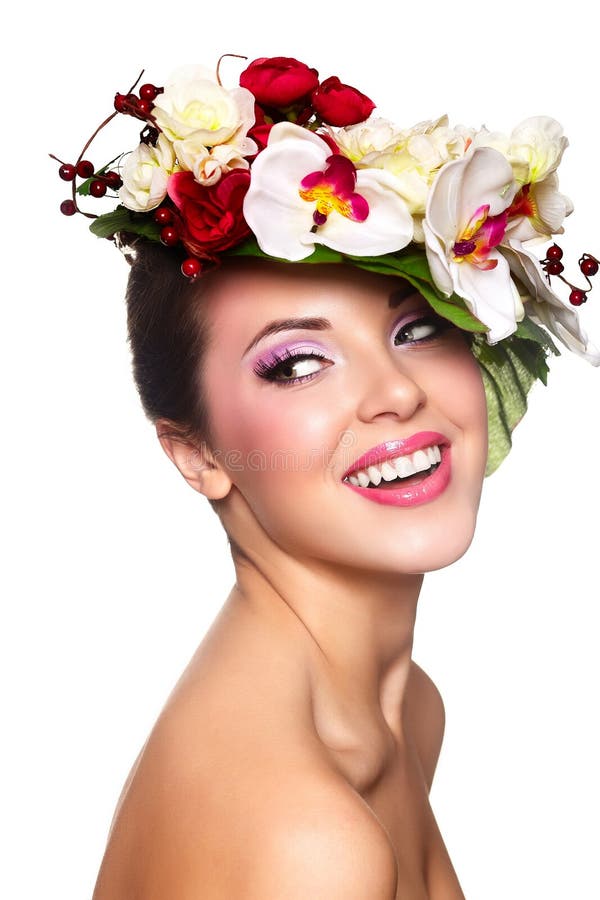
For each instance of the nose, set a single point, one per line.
(389, 389)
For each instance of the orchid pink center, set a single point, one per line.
(479, 236)
(333, 190)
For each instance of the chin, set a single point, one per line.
(433, 556)
(419, 546)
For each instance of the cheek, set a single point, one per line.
(461, 393)
(460, 388)
(262, 434)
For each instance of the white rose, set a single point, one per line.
(209, 163)
(204, 109)
(414, 157)
(207, 124)
(534, 149)
(374, 135)
(145, 175)
(538, 143)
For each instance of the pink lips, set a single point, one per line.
(410, 495)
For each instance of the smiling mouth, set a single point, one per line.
(406, 470)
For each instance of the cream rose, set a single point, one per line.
(145, 175)
(207, 124)
(413, 156)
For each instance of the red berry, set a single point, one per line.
(113, 180)
(148, 92)
(67, 172)
(589, 265)
(144, 107)
(85, 168)
(554, 252)
(163, 215)
(120, 103)
(169, 236)
(68, 208)
(191, 267)
(554, 268)
(98, 188)
(577, 297)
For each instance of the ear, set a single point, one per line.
(196, 462)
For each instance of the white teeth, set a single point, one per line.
(374, 474)
(388, 472)
(421, 461)
(402, 466)
(363, 478)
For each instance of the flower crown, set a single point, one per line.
(291, 168)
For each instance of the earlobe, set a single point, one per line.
(196, 463)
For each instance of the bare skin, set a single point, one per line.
(295, 755)
(204, 766)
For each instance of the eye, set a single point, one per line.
(305, 365)
(421, 330)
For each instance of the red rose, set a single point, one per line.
(279, 80)
(211, 214)
(340, 104)
(261, 128)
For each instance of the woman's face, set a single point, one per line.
(293, 410)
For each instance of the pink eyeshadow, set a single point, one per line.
(271, 356)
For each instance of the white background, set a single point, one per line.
(114, 568)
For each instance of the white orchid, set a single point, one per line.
(534, 150)
(464, 223)
(145, 175)
(538, 211)
(301, 195)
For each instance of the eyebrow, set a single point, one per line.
(311, 323)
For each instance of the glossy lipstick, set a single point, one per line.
(410, 495)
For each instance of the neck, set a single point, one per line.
(353, 628)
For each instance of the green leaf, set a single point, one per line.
(123, 219)
(510, 369)
(529, 329)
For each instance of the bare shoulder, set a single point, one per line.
(232, 797)
(252, 827)
(324, 843)
(425, 716)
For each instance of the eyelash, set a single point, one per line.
(269, 372)
(263, 370)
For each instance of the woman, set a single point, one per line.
(295, 754)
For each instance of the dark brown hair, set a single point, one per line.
(168, 337)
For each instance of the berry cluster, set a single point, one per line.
(588, 266)
(140, 106)
(99, 182)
